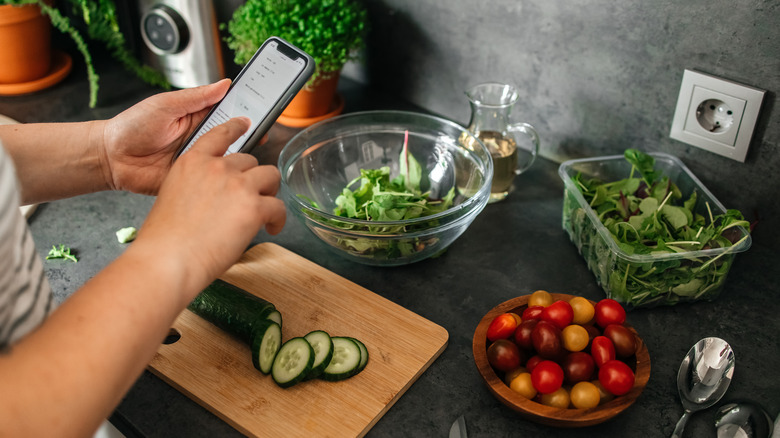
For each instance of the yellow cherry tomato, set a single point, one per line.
(522, 385)
(574, 337)
(583, 310)
(558, 399)
(517, 318)
(585, 395)
(604, 395)
(511, 374)
(540, 298)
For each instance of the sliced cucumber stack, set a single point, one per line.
(265, 345)
(322, 344)
(293, 362)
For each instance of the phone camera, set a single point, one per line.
(164, 31)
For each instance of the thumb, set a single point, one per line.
(216, 141)
(192, 100)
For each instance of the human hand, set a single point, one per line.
(139, 143)
(210, 207)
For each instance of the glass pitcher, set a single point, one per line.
(513, 146)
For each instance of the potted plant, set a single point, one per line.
(101, 25)
(331, 31)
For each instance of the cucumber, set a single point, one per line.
(363, 355)
(232, 309)
(293, 362)
(345, 360)
(323, 351)
(275, 316)
(265, 345)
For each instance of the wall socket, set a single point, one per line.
(716, 114)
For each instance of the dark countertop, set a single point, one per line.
(512, 248)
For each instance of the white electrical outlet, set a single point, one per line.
(715, 114)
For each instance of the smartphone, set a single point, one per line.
(261, 91)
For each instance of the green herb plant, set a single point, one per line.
(101, 22)
(331, 31)
(646, 214)
(375, 197)
(63, 252)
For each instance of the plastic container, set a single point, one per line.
(646, 280)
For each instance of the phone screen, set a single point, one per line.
(256, 90)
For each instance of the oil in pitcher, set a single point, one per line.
(491, 106)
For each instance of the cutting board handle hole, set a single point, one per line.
(173, 336)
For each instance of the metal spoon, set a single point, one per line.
(704, 376)
(743, 420)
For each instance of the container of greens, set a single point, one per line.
(649, 230)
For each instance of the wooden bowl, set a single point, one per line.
(548, 415)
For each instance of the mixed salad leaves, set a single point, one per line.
(374, 196)
(646, 213)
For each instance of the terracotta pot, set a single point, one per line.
(314, 101)
(25, 44)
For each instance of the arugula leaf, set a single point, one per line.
(63, 252)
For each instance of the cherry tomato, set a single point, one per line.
(602, 350)
(575, 337)
(609, 311)
(533, 362)
(502, 327)
(558, 399)
(517, 318)
(532, 312)
(583, 310)
(540, 298)
(616, 377)
(546, 338)
(522, 385)
(593, 331)
(577, 367)
(622, 338)
(523, 333)
(503, 355)
(605, 396)
(558, 313)
(547, 377)
(514, 372)
(585, 395)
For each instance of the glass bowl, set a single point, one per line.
(320, 161)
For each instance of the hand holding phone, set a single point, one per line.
(261, 91)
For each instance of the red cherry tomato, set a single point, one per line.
(622, 338)
(533, 362)
(502, 327)
(532, 312)
(547, 341)
(523, 333)
(602, 350)
(559, 313)
(578, 367)
(616, 377)
(609, 311)
(503, 355)
(547, 377)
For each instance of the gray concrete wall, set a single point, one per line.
(595, 76)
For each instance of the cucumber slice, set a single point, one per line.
(265, 345)
(275, 316)
(346, 359)
(323, 351)
(293, 362)
(363, 355)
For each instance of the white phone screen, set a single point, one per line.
(259, 87)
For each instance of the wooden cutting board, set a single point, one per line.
(216, 370)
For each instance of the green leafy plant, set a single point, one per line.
(102, 26)
(331, 31)
(63, 252)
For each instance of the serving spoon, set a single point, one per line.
(704, 376)
(743, 420)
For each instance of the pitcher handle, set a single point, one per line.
(528, 130)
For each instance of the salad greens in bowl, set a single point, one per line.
(649, 230)
(386, 188)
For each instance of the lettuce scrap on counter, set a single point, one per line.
(646, 213)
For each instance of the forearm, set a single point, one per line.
(55, 161)
(70, 374)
